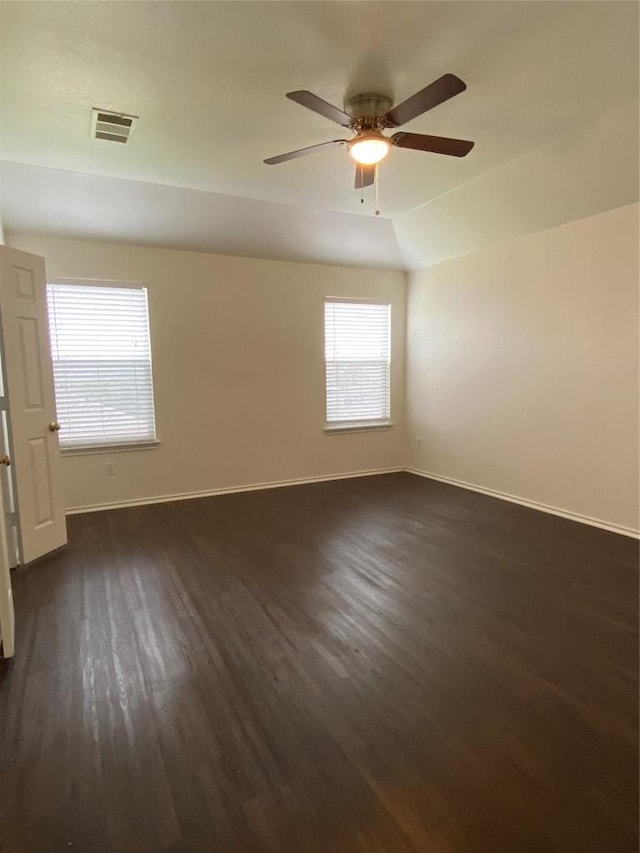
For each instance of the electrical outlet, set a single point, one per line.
(110, 469)
(418, 443)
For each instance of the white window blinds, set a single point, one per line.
(101, 364)
(357, 360)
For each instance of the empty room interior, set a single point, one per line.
(319, 426)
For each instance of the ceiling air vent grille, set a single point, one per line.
(114, 127)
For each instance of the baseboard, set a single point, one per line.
(277, 484)
(231, 490)
(552, 510)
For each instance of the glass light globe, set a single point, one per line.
(369, 149)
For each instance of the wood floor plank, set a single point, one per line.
(380, 665)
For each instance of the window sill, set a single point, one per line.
(358, 427)
(123, 447)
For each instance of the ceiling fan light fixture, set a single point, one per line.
(370, 149)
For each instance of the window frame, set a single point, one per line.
(341, 427)
(115, 446)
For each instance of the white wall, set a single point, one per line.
(238, 362)
(522, 370)
(522, 373)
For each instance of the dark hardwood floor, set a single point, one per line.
(383, 665)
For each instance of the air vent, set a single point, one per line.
(114, 127)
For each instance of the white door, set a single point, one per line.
(33, 430)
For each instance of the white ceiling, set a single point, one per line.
(208, 81)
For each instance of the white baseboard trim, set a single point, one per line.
(254, 487)
(552, 510)
(231, 490)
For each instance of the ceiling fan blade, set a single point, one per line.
(302, 152)
(313, 102)
(435, 144)
(365, 176)
(426, 99)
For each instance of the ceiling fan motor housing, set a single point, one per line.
(367, 109)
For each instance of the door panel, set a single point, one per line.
(30, 356)
(28, 381)
(41, 479)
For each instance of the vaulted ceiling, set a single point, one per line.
(552, 103)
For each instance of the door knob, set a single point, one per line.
(54, 426)
(5, 460)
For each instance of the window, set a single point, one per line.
(101, 364)
(357, 341)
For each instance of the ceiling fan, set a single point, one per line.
(368, 115)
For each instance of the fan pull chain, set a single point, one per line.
(377, 192)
